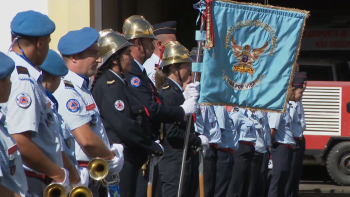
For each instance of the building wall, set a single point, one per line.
(67, 15)
(9, 9)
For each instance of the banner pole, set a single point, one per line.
(189, 118)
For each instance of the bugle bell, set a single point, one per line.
(80, 191)
(99, 169)
(57, 190)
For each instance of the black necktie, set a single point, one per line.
(144, 72)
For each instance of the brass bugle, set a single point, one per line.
(80, 191)
(98, 170)
(55, 190)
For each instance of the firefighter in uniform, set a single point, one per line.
(259, 165)
(13, 177)
(173, 71)
(243, 123)
(53, 69)
(125, 118)
(78, 109)
(29, 113)
(138, 31)
(282, 148)
(298, 151)
(207, 124)
(164, 32)
(227, 146)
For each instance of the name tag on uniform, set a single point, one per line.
(90, 107)
(48, 105)
(12, 150)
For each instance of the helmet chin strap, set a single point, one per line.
(143, 47)
(178, 73)
(120, 67)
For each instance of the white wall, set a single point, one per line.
(8, 9)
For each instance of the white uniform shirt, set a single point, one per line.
(11, 162)
(29, 109)
(150, 65)
(67, 139)
(77, 108)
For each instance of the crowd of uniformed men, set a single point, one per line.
(54, 121)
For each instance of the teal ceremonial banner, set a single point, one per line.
(254, 49)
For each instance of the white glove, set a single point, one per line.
(65, 182)
(116, 164)
(156, 159)
(205, 144)
(190, 106)
(84, 177)
(195, 92)
(118, 149)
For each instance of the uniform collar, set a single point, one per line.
(52, 98)
(141, 67)
(36, 74)
(177, 84)
(117, 75)
(156, 58)
(75, 78)
(2, 118)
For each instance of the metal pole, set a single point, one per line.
(189, 119)
(150, 176)
(266, 2)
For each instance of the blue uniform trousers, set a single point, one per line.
(281, 158)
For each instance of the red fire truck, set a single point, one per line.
(326, 103)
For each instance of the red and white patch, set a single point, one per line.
(23, 100)
(119, 105)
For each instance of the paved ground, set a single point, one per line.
(316, 183)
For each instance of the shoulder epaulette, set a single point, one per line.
(166, 87)
(68, 84)
(111, 82)
(236, 109)
(22, 70)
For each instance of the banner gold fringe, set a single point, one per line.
(295, 59)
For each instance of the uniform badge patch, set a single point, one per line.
(73, 105)
(119, 105)
(23, 100)
(135, 82)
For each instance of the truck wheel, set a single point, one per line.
(338, 163)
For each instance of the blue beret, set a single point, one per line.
(54, 64)
(77, 41)
(33, 24)
(168, 27)
(7, 65)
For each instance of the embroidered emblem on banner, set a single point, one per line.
(119, 105)
(23, 100)
(135, 82)
(246, 56)
(241, 86)
(73, 105)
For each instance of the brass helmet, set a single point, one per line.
(110, 42)
(137, 26)
(174, 52)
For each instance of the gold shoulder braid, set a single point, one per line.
(166, 87)
(110, 82)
